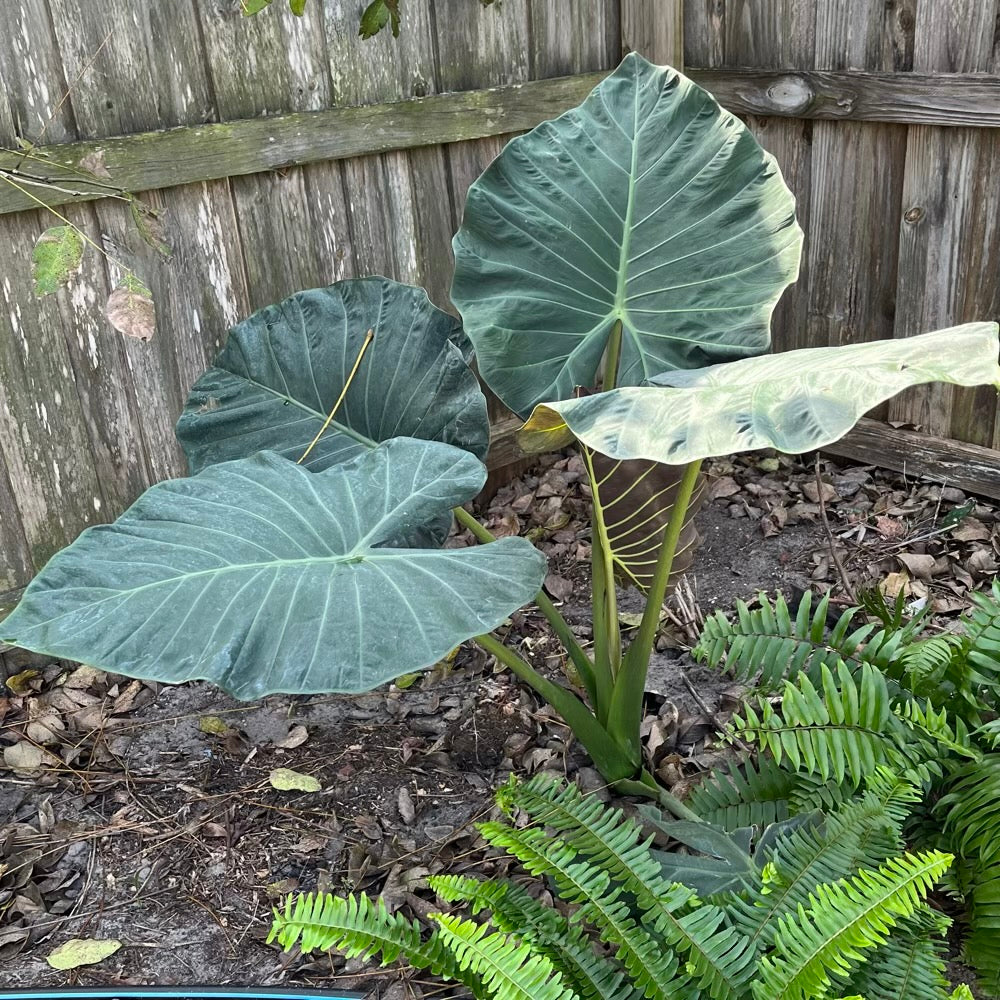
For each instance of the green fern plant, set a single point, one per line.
(823, 903)
(864, 695)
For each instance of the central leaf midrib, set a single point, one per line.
(623, 256)
(334, 424)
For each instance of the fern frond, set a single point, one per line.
(359, 926)
(753, 794)
(719, 960)
(844, 919)
(936, 727)
(653, 968)
(982, 946)
(859, 834)
(982, 628)
(509, 970)
(844, 729)
(565, 944)
(910, 965)
(769, 640)
(970, 809)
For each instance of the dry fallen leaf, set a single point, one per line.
(287, 780)
(297, 735)
(920, 566)
(23, 758)
(82, 951)
(725, 486)
(812, 493)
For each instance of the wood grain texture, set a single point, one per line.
(857, 179)
(949, 99)
(654, 29)
(950, 235)
(167, 158)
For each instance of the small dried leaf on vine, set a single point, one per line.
(57, 256)
(93, 163)
(130, 310)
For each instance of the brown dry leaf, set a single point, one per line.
(94, 164)
(130, 311)
(920, 566)
(724, 486)
(83, 678)
(971, 529)
(812, 492)
(895, 583)
(404, 804)
(558, 586)
(23, 683)
(889, 527)
(297, 735)
(981, 562)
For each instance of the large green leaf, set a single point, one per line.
(649, 205)
(262, 577)
(794, 401)
(283, 369)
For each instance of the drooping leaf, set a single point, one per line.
(251, 7)
(261, 576)
(637, 499)
(794, 401)
(648, 205)
(130, 309)
(56, 257)
(282, 370)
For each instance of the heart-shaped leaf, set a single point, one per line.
(795, 401)
(283, 369)
(648, 205)
(261, 576)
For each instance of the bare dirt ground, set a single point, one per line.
(147, 815)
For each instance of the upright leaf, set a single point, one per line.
(262, 577)
(647, 205)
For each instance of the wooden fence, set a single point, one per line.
(296, 155)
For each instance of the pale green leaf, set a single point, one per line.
(82, 951)
(287, 780)
(794, 401)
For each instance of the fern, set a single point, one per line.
(910, 964)
(719, 960)
(842, 920)
(769, 640)
(844, 729)
(756, 794)
(362, 927)
(859, 834)
(983, 632)
(982, 946)
(565, 944)
(653, 969)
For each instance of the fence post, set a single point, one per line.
(654, 29)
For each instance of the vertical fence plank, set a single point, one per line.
(775, 35)
(857, 179)
(655, 29)
(950, 235)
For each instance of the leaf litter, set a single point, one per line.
(149, 816)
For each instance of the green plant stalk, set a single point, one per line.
(625, 715)
(612, 357)
(603, 587)
(582, 662)
(606, 754)
(603, 676)
(647, 787)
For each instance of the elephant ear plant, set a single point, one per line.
(616, 271)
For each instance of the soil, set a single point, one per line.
(152, 819)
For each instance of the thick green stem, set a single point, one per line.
(582, 662)
(605, 753)
(625, 716)
(612, 357)
(647, 787)
(604, 595)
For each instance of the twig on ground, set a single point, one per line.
(845, 579)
